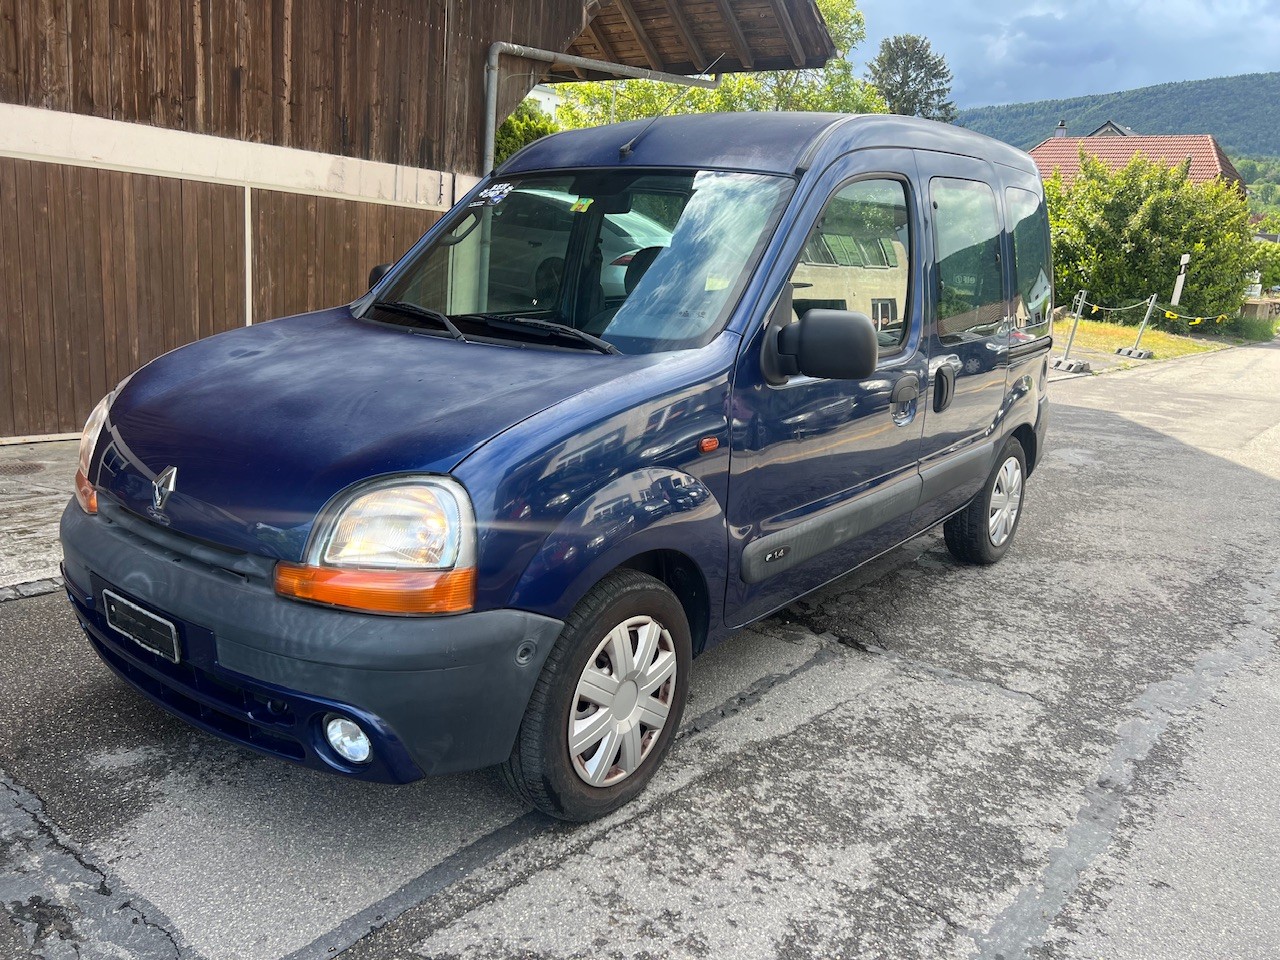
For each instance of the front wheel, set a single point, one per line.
(982, 532)
(607, 705)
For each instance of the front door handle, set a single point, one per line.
(903, 398)
(906, 389)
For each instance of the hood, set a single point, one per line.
(265, 424)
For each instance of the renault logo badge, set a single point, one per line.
(162, 487)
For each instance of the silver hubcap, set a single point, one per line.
(1006, 499)
(622, 701)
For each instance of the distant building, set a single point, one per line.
(546, 98)
(1061, 153)
(1113, 129)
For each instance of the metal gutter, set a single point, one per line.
(551, 56)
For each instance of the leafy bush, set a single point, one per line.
(1120, 236)
(1250, 328)
(527, 124)
(1269, 263)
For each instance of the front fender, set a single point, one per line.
(649, 509)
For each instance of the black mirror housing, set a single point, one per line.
(831, 344)
(378, 272)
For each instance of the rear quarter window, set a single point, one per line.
(1033, 271)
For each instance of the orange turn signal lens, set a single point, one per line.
(379, 591)
(86, 495)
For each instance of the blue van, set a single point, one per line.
(646, 384)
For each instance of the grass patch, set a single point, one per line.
(1106, 337)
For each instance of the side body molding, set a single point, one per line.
(774, 553)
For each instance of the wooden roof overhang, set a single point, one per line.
(689, 36)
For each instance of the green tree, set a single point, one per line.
(525, 125)
(835, 87)
(1120, 235)
(915, 81)
(1269, 263)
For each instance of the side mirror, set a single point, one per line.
(378, 272)
(831, 344)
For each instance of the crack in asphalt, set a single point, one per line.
(928, 908)
(1025, 923)
(55, 916)
(755, 693)
(913, 665)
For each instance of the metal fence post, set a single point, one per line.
(1134, 351)
(1064, 362)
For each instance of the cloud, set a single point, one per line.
(1004, 51)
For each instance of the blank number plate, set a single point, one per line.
(141, 626)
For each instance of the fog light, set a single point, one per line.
(347, 739)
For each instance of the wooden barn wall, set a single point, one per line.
(344, 239)
(100, 272)
(400, 81)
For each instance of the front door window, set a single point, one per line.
(858, 256)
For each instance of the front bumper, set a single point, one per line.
(435, 694)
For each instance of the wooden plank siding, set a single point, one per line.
(399, 81)
(100, 272)
(315, 252)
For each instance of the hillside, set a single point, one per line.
(1242, 112)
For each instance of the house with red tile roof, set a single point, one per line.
(1062, 154)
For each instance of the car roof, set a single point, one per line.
(777, 142)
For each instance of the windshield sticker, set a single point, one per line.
(580, 205)
(493, 194)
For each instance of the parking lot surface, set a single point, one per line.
(1073, 754)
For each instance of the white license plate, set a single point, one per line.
(143, 627)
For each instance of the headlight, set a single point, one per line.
(417, 526)
(402, 545)
(86, 495)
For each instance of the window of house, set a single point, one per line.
(1033, 271)
(884, 311)
(971, 301)
(857, 257)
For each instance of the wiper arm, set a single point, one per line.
(550, 327)
(407, 309)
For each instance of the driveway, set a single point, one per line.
(1073, 754)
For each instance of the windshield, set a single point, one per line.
(645, 261)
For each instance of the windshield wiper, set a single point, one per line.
(550, 327)
(407, 309)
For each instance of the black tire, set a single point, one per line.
(541, 770)
(968, 533)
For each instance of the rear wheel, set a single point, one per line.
(607, 705)
(982, 532)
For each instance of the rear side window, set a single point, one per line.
(1033, 288)
(857, 258)
(970, 289)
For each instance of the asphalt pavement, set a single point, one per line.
(1073, 754)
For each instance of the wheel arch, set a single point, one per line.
(1026, 436)
(677, 535)
(685, 579)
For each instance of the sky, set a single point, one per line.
(1011, 51)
